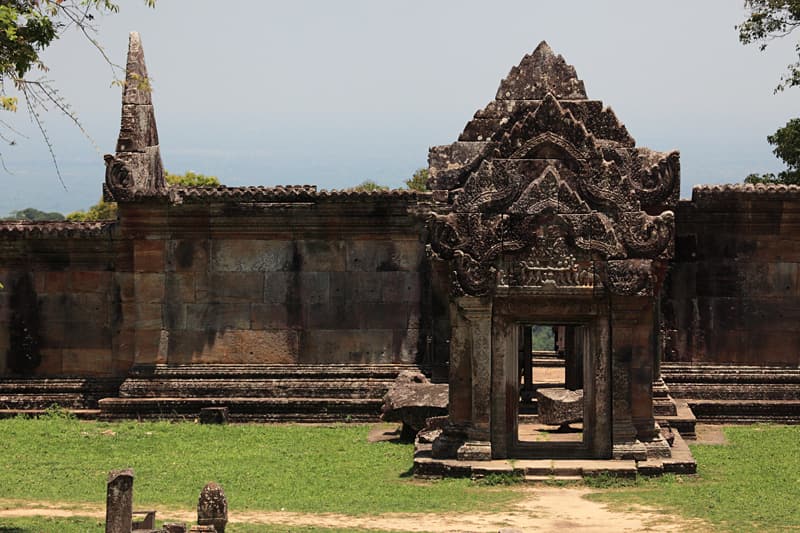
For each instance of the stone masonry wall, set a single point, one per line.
(321, 282)
(328, 281)
(60, 302)
(733, 293)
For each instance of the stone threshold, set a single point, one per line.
(538, 470)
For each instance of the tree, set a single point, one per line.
(769, 20)
(27, 28)
(103, 210)
(369, 186)
(418, 181)
(787, 147)
(34, 215)
(191, 179)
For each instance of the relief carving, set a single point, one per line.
(552, 187)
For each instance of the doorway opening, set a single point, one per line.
(551, 383)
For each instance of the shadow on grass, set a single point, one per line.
(407, 474)
(14, 529)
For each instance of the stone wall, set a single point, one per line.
(60, 304)
(733, 293)
(335, 278)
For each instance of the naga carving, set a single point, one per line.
(545, 188)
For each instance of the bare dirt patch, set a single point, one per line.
(710, 434)
(543, 509)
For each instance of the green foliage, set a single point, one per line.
(369, 186)
(503, 479)
(772, 19)
(261, 467)
(751, 484)
(786, 141)
(418, 181)
(27, 28)
(191, 179)
(102, 210)
(542, 338)
(34, 215)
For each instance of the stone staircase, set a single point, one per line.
(255, 393)
(736, 393)
(34, 395)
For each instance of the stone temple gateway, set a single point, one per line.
(545, 211)
(290, 303)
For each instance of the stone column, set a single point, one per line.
(478, 312)
(625, 350)
(119, 501)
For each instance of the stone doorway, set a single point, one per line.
(551, 360)
(525, 382)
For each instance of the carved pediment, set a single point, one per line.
(543, 183)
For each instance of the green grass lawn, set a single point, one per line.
(261, 467)
(87, 525)
(751, 484)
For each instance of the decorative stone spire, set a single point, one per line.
(137, 166)
(540, 73)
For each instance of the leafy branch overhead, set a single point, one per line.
(787, 147)
(770, 20)
(27, 28)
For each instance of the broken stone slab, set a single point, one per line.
(175, 528)
(202, 529)
(212, 507)
(412, 399)
(143, 520)
(119, 501)
(559, 407)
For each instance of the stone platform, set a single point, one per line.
(533, 470)
(736, 393)
(73, 393)
(255, 393)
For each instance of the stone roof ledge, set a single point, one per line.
(710, 192)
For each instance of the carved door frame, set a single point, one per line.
(591, 313)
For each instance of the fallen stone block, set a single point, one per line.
(412, 399)
(559, 407)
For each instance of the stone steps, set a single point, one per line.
(254, 388)
(259, 393)
(736, 393)
(746, 411)
(315, 410)
(40, 393)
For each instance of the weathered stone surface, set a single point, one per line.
(212, 507)
(144, 520)
(203, 529)
(175, 528)
(412, 399)
(137, 167)
(558, 406)
(119, 501)
(539, 74)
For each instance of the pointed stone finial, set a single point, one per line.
(539, 73)
(137, 166)
(137, 83)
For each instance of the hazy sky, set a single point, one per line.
(333, 93)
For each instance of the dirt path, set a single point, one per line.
(543, 509)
